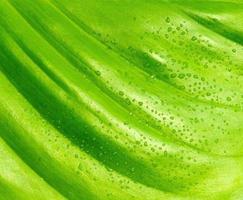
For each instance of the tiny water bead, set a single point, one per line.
(121, 93)
(194, 38)
(98, 73)
(167, 20)
(228, 98)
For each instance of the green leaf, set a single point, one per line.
(121, 100)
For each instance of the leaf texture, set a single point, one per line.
(121, 100)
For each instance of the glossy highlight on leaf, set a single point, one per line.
(121, 100)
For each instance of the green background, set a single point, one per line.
(121, 100)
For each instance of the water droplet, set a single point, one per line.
(167, 19)
(228, 98)
(121, 93)
(193, 38)
(98, 73)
